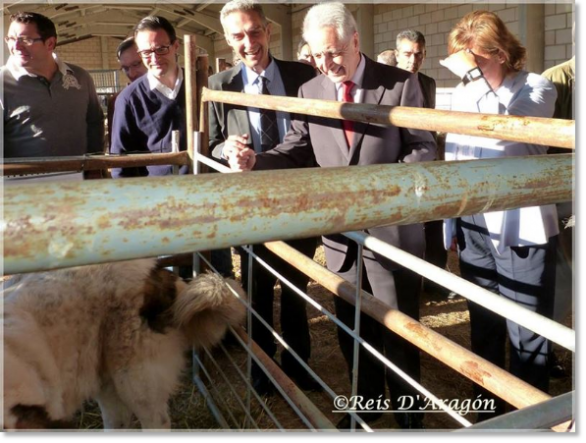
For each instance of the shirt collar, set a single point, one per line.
(171, 94)
(251, 78)
(18, 71)
(509, 87)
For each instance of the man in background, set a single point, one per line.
(152, 107)
(410, 54)
(563, 76)
(132, 66)
(388, 57)
(304, 54)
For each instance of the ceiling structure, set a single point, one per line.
(79, 21)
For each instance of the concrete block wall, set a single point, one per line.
(435, 21)
(88, 53)
(558, 33)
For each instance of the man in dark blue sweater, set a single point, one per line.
(152, 107)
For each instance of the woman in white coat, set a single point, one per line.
(512, 252)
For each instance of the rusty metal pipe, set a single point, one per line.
(540, 131)
(498, 381)
(38, 165)
(317, 419)
(64, 224)
(502, 306)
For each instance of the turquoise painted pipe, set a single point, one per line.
(57, 225)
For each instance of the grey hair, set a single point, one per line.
(330, 14)
(242, 6)
(411, 35)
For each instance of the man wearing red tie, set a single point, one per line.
(348, 75)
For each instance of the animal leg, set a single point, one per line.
(115, 414)
(144, 391)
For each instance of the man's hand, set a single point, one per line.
(239, 156)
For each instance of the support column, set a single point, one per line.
(532, 35)
(105, 52)
(364, 15)
(282, 15)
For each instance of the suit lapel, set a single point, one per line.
(287, 75)
(240, 115)
(373, 93)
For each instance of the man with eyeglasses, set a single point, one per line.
(349, 76)
(41, 92)
(132, 66)
(248, 33)
(152, 107)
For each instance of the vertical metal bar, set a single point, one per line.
(204, 391)
(202, 81)
(249, 287)
(357, 312)
(175, 148)
(196, 267)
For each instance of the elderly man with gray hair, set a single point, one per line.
(349, 76)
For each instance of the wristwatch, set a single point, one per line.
(473, 74)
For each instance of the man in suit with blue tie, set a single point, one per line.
(248, 32)
(348, 75)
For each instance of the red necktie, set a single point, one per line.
(347, 124)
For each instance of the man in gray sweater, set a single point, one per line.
(50, 108)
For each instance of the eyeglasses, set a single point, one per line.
(132, 66)
(160, 50)
(26, 41)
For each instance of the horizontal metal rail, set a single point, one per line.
(352, 333)
(535, 130)
(64, 224)
(249, 387)
(39, 165)
(504, 307)
(306, 410)
(498, 381)
(230, 386)
(543, 415)
(298, 401)
(211, 163)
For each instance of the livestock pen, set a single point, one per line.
(94, 222)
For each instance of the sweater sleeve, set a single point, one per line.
(125, 137)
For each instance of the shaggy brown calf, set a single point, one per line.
(116, 333)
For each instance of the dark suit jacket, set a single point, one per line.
(322, 140)
(428, 89)
(226, 119)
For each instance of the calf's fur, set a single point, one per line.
(116, 333)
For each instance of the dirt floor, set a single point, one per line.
(448, 317)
